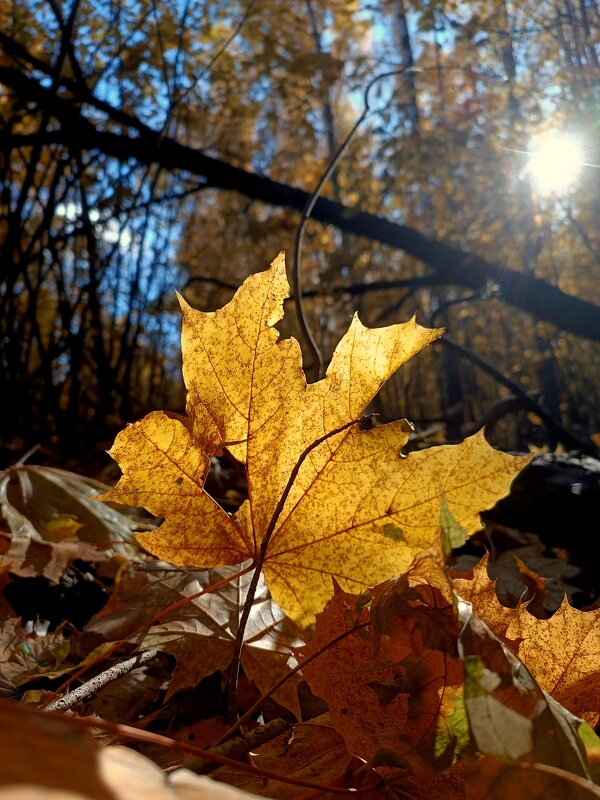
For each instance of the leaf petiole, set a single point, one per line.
(234, 667)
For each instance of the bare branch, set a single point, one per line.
(562, 434)
(452, 265)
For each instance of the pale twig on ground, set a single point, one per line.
(111, 674)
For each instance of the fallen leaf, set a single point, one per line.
(326, 499)
(562, 652)
(54, 521)
(510, 717)
(416, 629)
(313, 751)
(25, 655)
(342, 675)
(202, 635)
(480, 590)
(50, 504)
(395, 694)
(446, 785)
(47, 757)
(137, 595)
(29, 558)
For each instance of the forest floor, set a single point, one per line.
(79, 598)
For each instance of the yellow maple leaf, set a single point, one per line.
(326, 499)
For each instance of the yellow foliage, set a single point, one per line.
(327, 500)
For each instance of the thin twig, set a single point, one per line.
(94, 684)
(217, 55)
(561, 774)
(335, 291)
(317, 366)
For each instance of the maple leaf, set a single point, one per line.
(395, 694)
(415, 627)
(342, 675)
(528, 725)
(316, 751)
(326, 499)
(562, 652)
(480, 591)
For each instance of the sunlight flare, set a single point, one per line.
(554, 162)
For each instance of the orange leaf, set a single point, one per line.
(562, 653)
(395, 695)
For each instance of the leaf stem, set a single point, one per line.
(234, 667)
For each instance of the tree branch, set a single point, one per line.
(452, 265)
(353, 289)
(570, 440)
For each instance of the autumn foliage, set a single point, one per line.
(334, 572)
(327, 500)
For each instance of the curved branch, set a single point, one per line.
(562, 434)
(307, 211)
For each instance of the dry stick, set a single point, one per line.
(156, 618)
(109, 675)
(165, 741)
(234, 667)
(307, 335)
(557, 772)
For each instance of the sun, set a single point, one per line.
(554, 162)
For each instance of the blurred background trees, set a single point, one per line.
(148, 147)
